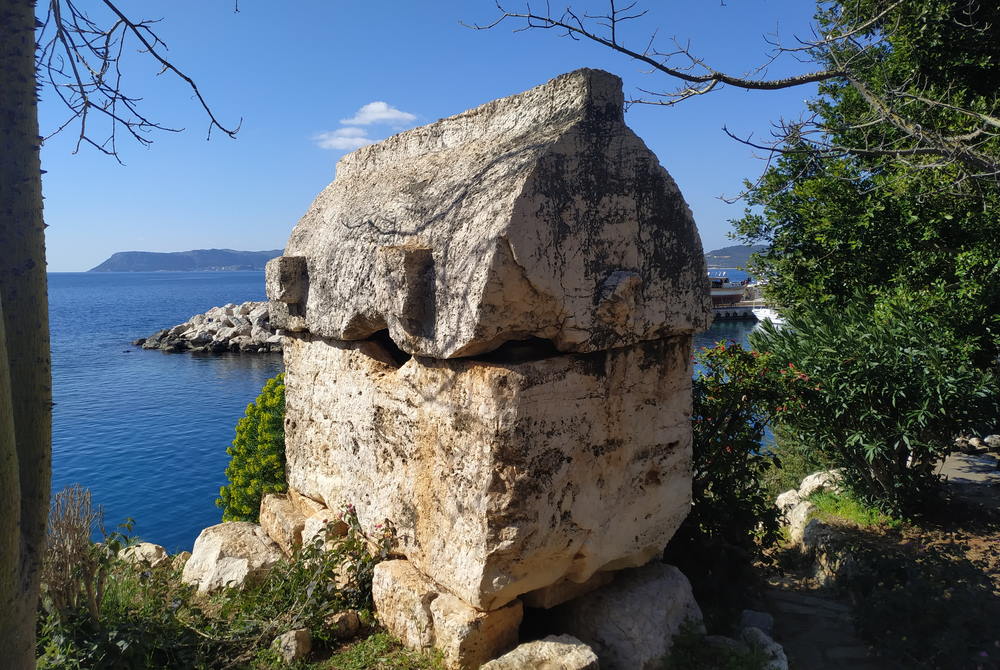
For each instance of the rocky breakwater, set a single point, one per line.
(488, 344)
(230, 328)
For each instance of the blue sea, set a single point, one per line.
(147, 431)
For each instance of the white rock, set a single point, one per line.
(445, 234)
(500, 478)
(631, 623)
(146, 553)
(422, 615)
(797, 520)
(774, 652)
(820, 482)
(282, 521)
(555, 652)
(787, 501)
(229, 554)
(294, 645)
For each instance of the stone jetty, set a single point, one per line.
(230, 328)
(488, 326)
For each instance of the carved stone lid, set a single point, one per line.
(537, 215)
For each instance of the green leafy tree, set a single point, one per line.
(257, 466)
(884, 390)
(857, 224)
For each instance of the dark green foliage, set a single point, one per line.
(886, 388)
(690, 652)
(148, 619)
(257, 466)
(860, 223)
(733, 515)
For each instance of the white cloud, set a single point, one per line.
(379, 112)
(343, 139)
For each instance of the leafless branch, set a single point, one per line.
(81, 60)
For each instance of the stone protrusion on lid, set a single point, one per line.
(287, 279)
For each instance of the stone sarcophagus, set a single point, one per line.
(488, 334)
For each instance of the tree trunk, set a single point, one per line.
(26, 334)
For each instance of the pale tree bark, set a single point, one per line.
(25, 383)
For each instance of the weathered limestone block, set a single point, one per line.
(501, 478)
(631, 623)
(229, 554)
(148, 553)
(422, 615)
(468, 637)
(282, 521)
(555, 652)
(403, 600)
(294, 645)
(538, 215)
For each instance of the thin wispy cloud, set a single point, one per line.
(343, 139)
(351, 137)
(379, 112)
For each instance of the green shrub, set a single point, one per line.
(733, 514)
(149, 619)
(257, 466)
(885, 391)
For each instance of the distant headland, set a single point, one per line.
(732, 257)
(197, 260)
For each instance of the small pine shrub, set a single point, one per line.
(257, 465)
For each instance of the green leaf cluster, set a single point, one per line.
(862, 222)
(257, 465)
(886, 388)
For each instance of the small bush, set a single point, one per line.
(149, 619)
(886, 390)
(733, 515)
(257, 465)
(74, 569)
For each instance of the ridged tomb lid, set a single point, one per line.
(537, 215)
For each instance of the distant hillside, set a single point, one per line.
(199, 260)
(731, 257)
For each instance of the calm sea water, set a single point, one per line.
(145, 431)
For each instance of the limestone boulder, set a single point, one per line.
(820, 482)
(800, 515)
(538, 215)
(282, 521)
(146, 553)
(631, 623)
(787, 501)
(499, 477)
(230, 554)
(422, 615)
(294, 645)
(555, 652)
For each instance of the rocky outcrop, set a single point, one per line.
(631, 622)
(243, 328)
(230, 554)
(145, 553)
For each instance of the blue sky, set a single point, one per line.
(313, 79)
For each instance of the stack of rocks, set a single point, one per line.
(238, 328)
(488, 336)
